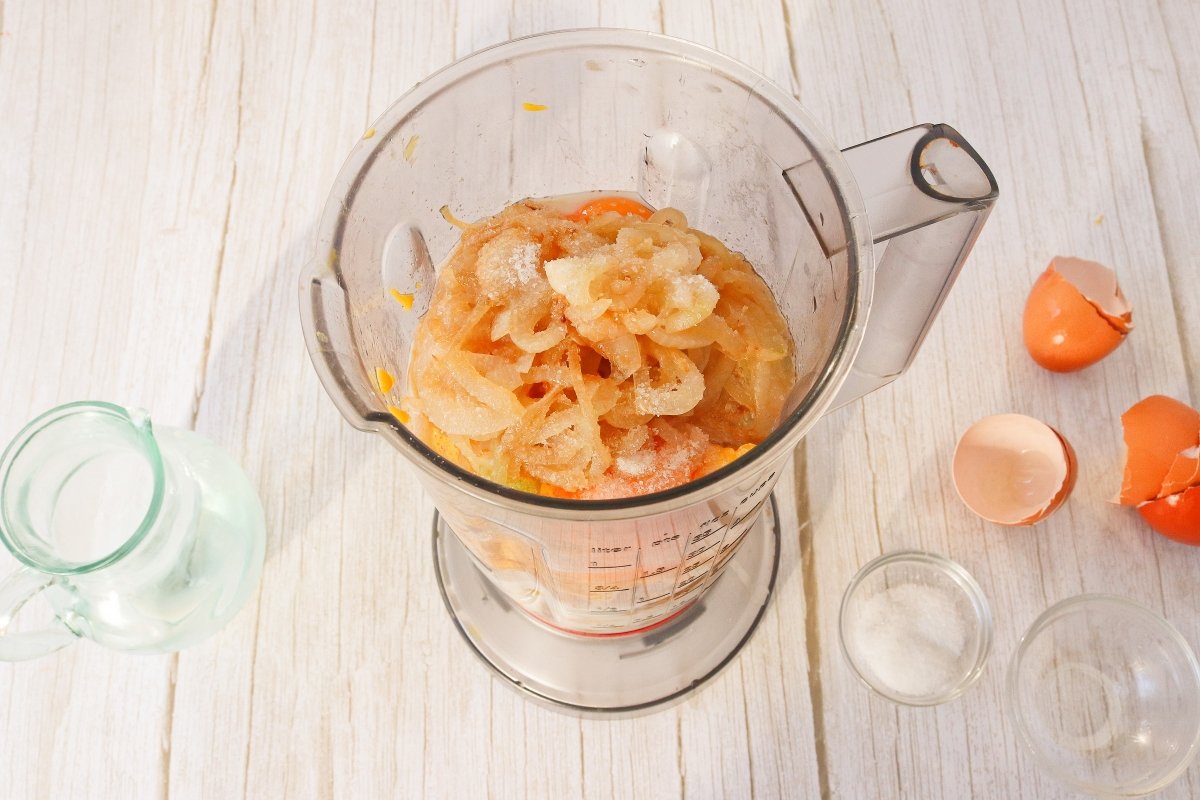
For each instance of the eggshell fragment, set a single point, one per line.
(1098, 284)
(1183, 474)
(1162, 466)
(1012, 469)
(1158, 431)
(1075, 315)
(1176, 516)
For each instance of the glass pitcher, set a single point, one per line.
(878, 230)
(142, 541)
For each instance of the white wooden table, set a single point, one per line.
(162, 166)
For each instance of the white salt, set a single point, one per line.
(635, 464)
(505, 266)
(910, 638)
(523, 263)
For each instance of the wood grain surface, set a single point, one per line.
(162, 166)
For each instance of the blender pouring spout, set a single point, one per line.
(927, 194)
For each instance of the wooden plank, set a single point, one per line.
(340, 508)
(1170, 142)
(112, 196)
(1168, 103)
(633, 758)
(1050, 129)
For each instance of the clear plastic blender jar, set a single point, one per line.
(859, 248)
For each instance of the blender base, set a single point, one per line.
(643, 671)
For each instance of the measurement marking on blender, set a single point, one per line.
(729, 547)
(691, 570)
(608, 589)
(707, 547)
(727, 553)
(748, 514)
(682, 581)
(610, 566)
(657, 571)
(723, 560)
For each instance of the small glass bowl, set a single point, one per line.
(915, 628)
(1106, 696)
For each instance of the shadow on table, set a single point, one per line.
(263, 402)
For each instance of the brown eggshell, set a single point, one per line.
(1098, 284)
(1012, 469)
(1075, 315)
(1157, 430)
(1176, 516)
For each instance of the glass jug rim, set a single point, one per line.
(786, 435)
(144, 437)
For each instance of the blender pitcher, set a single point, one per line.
(882, 227)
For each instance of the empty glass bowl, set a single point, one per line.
(1106, 696)
(915, 627)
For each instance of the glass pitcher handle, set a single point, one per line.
(15, 591)
(927, 194)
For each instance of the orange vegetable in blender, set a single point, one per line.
(550, 490)
(403, 299)
(385, 380)
(716, 457)
(1075, 315)
(1162, 466)
(621, 205)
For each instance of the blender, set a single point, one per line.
(621, 605)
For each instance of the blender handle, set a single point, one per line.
(927, 194)
(15, 591)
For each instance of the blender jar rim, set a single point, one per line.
(780, 441)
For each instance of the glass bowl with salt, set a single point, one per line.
(915, 628)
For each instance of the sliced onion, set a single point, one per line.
(671, 388)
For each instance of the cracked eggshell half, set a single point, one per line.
(1012, 469)
(1075, 315)
(1162, 466)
